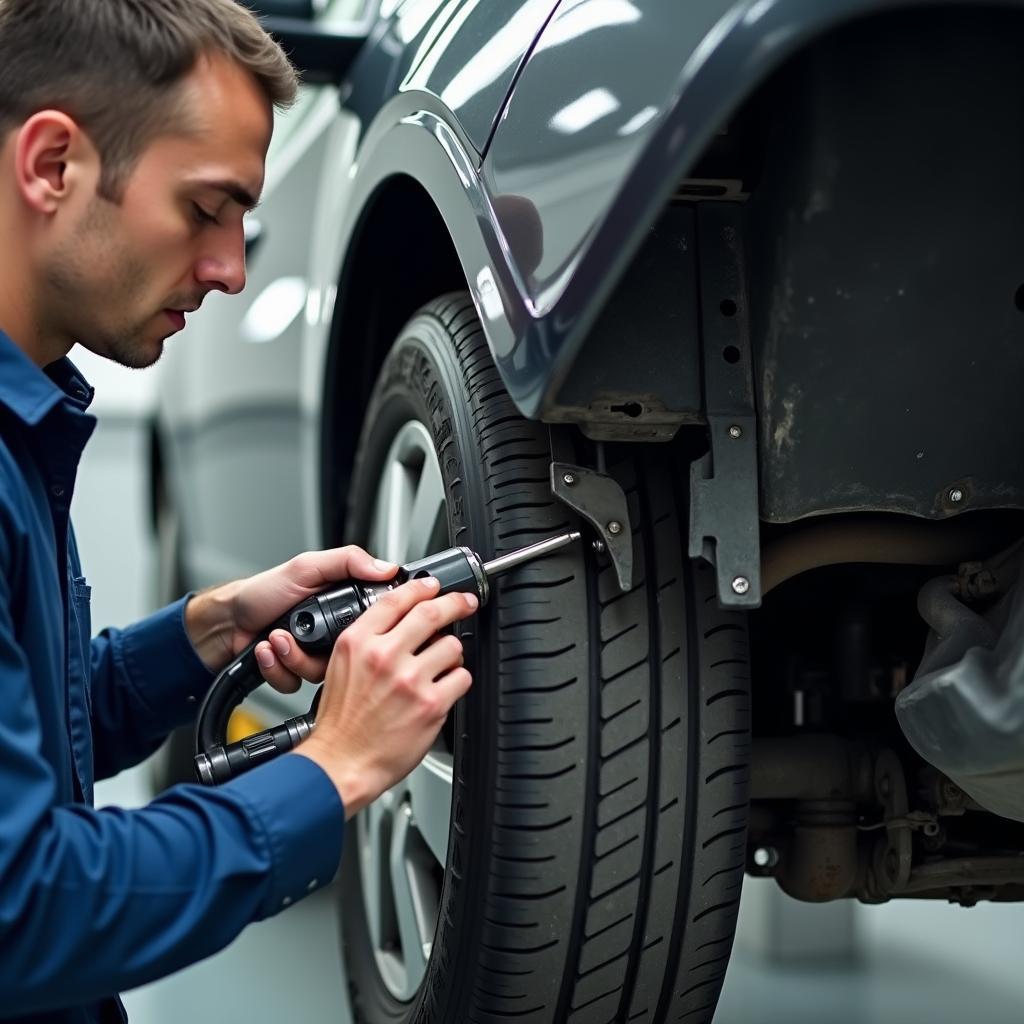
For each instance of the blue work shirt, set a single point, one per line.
(94, 902)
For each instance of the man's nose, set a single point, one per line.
(224, 270)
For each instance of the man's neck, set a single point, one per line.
(19, 321)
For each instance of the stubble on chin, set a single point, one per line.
(92, 282)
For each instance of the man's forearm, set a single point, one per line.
(210, 623)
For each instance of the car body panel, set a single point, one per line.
(472, 63)
(566, 141)
(466, 53)
(674, 102)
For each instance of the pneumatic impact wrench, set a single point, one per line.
(315, 624)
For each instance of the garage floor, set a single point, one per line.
(917, 962)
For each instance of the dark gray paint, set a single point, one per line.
(459, 55)
(475, 58)
(585, 106)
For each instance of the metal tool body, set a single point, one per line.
(315, 624)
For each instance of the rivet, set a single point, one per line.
(191, 699)
(312, 885)
(615, 527)
(568, 479)
(956, 495)
(740, 585)
(286, 902)
(735, 432)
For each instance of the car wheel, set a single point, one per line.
(573, 847)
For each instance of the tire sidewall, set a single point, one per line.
(421, 380)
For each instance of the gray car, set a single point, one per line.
(737, 290)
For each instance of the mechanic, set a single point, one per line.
(133, 135)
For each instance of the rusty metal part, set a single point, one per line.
(965, 871)
(996, 575)
(872, 539)
(893, 851)
(810, 794)
(820, 861)
(940, 793)
(810, 768)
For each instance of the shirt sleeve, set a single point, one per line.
(146, 680)
(94, 902)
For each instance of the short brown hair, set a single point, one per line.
(116, 66)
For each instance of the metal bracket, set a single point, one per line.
(601, 501)
(724, 520)
(893, 851)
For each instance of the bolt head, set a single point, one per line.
(735, 432)
(956, 495)
(615, 527)
(568, 479)
(740, 585)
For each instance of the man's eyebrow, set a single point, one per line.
(235, 191)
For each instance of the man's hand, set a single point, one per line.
(390, 684)
(223, 621)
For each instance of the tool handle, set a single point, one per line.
(220, 763)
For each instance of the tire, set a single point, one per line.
(600, 763)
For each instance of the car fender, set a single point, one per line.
(592, 182)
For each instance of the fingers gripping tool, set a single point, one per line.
(315, 624)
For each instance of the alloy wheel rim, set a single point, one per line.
(403, 835)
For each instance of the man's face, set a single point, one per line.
(123, 276)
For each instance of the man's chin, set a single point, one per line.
(137, 356)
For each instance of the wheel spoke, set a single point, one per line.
(407, 885)
(428, 507)
(430, 795)
(391, 521)
(374, 853)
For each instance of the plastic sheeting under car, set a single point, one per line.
(964, 711)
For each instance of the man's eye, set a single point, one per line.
(202, 216)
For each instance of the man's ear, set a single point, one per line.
(51, 154)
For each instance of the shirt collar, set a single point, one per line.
(29, 392)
